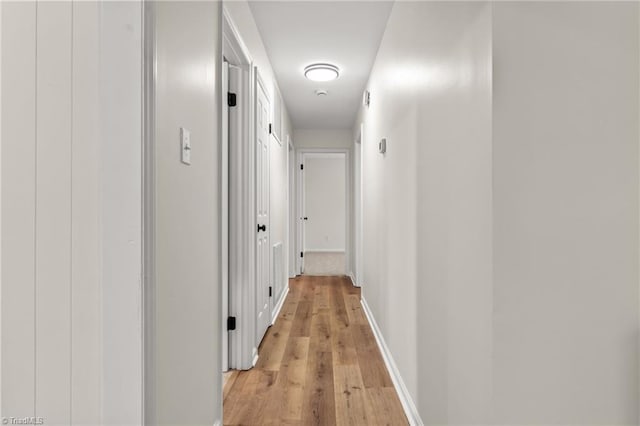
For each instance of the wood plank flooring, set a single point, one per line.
(319, 365)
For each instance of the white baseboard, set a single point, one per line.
(278, 307)
(408, 405)
(352, 277)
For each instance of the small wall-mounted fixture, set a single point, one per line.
(382, 146)
(321, 92)
(185, 146)
(321, 72)
(366, 98)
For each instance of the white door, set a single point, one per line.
(263, 316)
(300, 256)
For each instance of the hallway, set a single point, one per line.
(267, 212)
(319, 364)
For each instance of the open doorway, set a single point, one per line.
(324, 211)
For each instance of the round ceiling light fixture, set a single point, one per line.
(321, 72)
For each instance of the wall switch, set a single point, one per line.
(185, 146)
(382, 146)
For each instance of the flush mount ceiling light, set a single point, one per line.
(321, 72)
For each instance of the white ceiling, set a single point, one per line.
(343, 33)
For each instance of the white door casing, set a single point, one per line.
(242, 199)
(263, 273)
(224, 227)
(292, 221)
(300, 216)
(358, 200)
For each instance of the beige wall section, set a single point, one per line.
(242, 17)
(188, 380)
(323, 138)
(71, 212)
(565, 159)
(427, 205)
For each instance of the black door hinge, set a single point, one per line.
(269, 128)
(301, 254)
(301, 166)
(231, 99)
(231, 323)
(270, 291)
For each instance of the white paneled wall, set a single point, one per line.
(18, 208)
(120, 188)
(53, 212)
(85, 218)
(71, 172)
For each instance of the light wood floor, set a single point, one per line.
(319, 365)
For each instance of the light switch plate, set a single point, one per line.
(382, 146)
(185, 146)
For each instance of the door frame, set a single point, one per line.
(148, 390)
(300, 154)
(358, 208)
(292, 262)
(241, 202)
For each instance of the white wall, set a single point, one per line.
(325, 202)
(506, 207)
(71, 199)
(187, 335)
(565, 161)
(427, 205)
(240, 13)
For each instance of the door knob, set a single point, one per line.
(262, 228)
